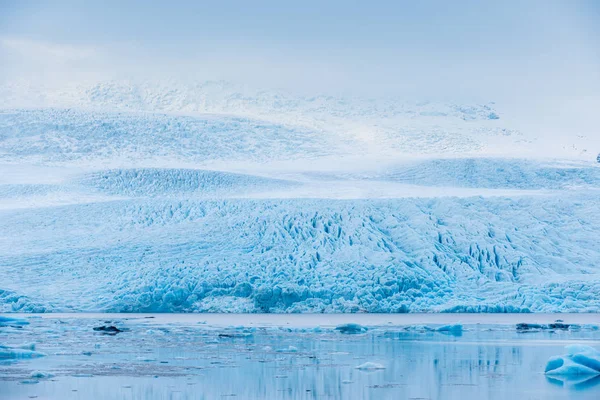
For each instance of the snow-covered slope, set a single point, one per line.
(146, 197)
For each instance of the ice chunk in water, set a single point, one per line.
(579, 360)
(7, 321)
(12, 353)
(350, 328)
(41, 375)
(289, 349)
(370, 366)
(451, 329)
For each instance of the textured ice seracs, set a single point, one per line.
(104, 136)
(140, 218)
(404, 255)
(152, 182)
(495, 173)
(227, 98)
(579, 360)
(72, 136)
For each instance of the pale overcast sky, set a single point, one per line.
(431, 48)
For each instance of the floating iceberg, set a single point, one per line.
(370, 366)
(13, 353)
(10, 321)
(455, 329)
(41, 375)
(524, 327)
(579, 360)
(350, 328)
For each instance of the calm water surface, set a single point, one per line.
(273, 357)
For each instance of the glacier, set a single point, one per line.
(142, 198)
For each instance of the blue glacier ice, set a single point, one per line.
(11, 321)
(11, 353)
(350, 328)
(579, 360)
(114, 199)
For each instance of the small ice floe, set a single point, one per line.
(26, 346)
(370, 366)
(41, 375)
(557, 325)
(580, 360)
(289, 349)
(235, 335)
(29, 382)
(590, 327)
(109, 330)
(145, 359)
(527, 327)
(417, 328)
(10, 321)
(12, 353)
(456, 329)
(350, 329)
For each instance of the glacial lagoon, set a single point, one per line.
(266, 356)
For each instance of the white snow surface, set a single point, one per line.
(208, 198)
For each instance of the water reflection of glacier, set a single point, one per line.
(194, 360)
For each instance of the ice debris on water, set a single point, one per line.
(370, 366)
(455, 329)
(579, 360)
(350, 328)
(11, 353)
(524, 326)
(41, 375)
(557, 325)
(11, 321)
(289, 349)
(109, 330)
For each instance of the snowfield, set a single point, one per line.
(145, 198)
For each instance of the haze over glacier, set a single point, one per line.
(210, 196)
